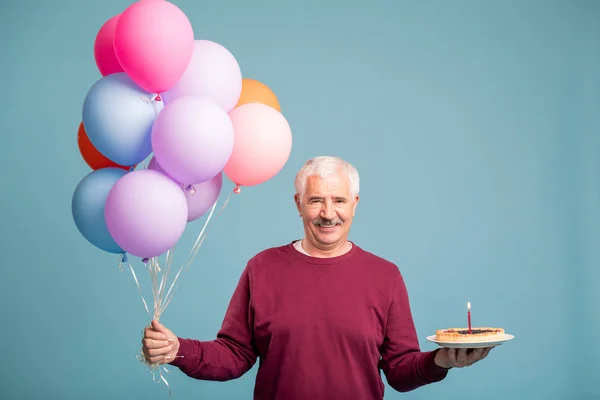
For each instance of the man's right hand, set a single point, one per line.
(159, 345)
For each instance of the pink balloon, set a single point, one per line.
(104, 51)
(262, 146)
(154, 42)
(146, 213)
(192, 139)
(203, 196)
(213, 73)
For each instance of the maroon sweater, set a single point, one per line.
(323, 328)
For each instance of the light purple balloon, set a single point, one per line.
(213, 73)
(192, 139)
(146, 213)
(205, 194)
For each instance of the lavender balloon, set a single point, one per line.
(204, 194)
(146, 213)
(213, 73)
(192, 139)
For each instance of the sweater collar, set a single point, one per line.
(321, 260)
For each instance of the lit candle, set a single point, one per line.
(469, 315)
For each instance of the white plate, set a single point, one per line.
(472, 345)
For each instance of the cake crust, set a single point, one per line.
(462, 334)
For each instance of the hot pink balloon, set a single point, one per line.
(146, 213)
(213, 73)
(192, 139)
(262, 145)
(104, 51)
(154, 42)
(203, 196)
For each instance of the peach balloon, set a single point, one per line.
(262, 144)
(254, 91)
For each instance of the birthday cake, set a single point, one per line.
(463, 334)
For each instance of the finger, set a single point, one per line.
(154, 334)
(485, 352)
(155, 352)
(156, 347)
(155, 360)
(155, 344)
(452, 356)
(461, 357)
(475, 356)
(160, 328)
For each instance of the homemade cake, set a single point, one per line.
(463, 335)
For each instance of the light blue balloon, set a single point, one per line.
(88, 203)
(118, 117)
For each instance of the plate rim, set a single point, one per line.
(507, 337)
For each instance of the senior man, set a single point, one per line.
(323, 315)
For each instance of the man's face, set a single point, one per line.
(327, 207)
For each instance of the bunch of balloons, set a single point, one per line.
(182, 101)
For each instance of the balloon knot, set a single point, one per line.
(124, 258)
(158, 98)
(132, 168)
(145, 260)
(237, 189)
(190, 189)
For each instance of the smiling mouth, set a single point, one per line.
(327, 225)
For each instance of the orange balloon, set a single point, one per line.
(254, 91)
(91, 155)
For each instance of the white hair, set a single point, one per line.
(325, 166)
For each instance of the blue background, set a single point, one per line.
(475, 126)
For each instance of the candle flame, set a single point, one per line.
(469, 305)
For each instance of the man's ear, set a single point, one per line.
(356, 199)
(297, 201)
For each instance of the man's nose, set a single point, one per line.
(327, 211)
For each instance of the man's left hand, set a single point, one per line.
(459, 358)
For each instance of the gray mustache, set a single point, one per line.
(321, 221)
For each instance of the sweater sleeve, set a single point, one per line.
(232, 353)
(405, 367)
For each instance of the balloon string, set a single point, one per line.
(122, 259)
(212, 210)
(163, 282)
(165, 381)
(199, 240)
(159, 283)
(199, 243)
(154, 268)
(139, 288)
(154, 368)
(170, 292)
